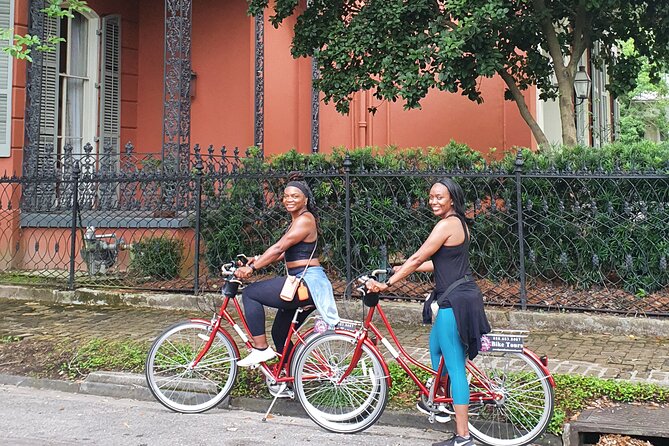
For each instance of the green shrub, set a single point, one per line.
(157, 257)
(580, 230)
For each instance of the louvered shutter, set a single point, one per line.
(48, 121)
(110, 85)
(6, 22)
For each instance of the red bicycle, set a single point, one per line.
(192, 366)
(342, 380)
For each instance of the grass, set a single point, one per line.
(573, 393)
(10, 278)
(9, 339)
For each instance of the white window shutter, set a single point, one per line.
(110, 85)
(48, 121)
(6, 62)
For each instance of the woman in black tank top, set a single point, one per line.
(298, 247)
(461, 320)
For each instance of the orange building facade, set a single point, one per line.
(163, 76)
(224, 87)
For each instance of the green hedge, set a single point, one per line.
(581, 228)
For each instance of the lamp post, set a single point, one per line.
(582, 91)
(581, 85)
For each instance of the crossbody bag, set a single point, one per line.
(292, 283)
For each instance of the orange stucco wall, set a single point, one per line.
(223, 106)
(223, 103)
(49, 248)
(223, 109)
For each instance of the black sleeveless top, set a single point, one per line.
(300, 251)
(451, 263)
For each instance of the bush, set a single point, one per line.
(157, 257)
(584, 222)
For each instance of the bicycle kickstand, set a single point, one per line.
(269, 409)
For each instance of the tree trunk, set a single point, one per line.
(566, 103)
(519, 99)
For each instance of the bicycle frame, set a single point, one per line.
(405, 360)
(272, 372)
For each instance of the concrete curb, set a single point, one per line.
(133, 386)
(408, 313)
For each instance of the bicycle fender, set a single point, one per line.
(223, 332)
(535, 358)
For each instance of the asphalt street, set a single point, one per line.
(32, 417)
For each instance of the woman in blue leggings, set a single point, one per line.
(461, 320)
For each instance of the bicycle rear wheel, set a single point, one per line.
(179, 385)
(349, 406)
(525, 404)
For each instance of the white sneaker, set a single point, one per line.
(256, 357)
(440, 414)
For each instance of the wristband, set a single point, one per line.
(388, 284)
(253, 267)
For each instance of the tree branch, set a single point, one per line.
(522, 107)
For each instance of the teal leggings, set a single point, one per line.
(445, 341)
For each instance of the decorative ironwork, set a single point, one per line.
(176, 96)
(547, 236)
(31, 155)
(315, 104)
(259, 81)
(315, 108)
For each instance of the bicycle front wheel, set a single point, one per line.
(179, 384)
(524, 399)
(341, 405)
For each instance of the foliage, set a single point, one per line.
(21, 46)
(7, 339)
(646, 105)
(401, 50)
(157, 257)
(585, 231)
(573, 393)
(103, 354)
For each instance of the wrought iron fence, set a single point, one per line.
(543, 237)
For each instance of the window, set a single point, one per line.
(6, 63)
(81, 87)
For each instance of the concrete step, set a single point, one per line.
(643, 422)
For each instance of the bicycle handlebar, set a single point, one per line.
(374, 274)
(228, 269)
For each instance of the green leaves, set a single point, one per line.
(21, 46)
(400, 50)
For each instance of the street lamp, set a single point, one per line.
(581, 85)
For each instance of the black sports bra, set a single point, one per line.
(300, 251)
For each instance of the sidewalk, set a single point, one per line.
(630, 357)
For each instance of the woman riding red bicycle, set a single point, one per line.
(461, 320)
(298, 247)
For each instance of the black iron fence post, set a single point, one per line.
(521, 236)
(73, 234)
(198, 204)
(347, 219)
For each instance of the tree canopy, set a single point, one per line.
(400, 49)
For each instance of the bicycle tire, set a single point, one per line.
(190, 390)
(526, 408)
(351, 406)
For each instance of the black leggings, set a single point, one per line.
(266, 293)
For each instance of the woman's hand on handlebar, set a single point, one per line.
(243, 272)
(375, 286)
